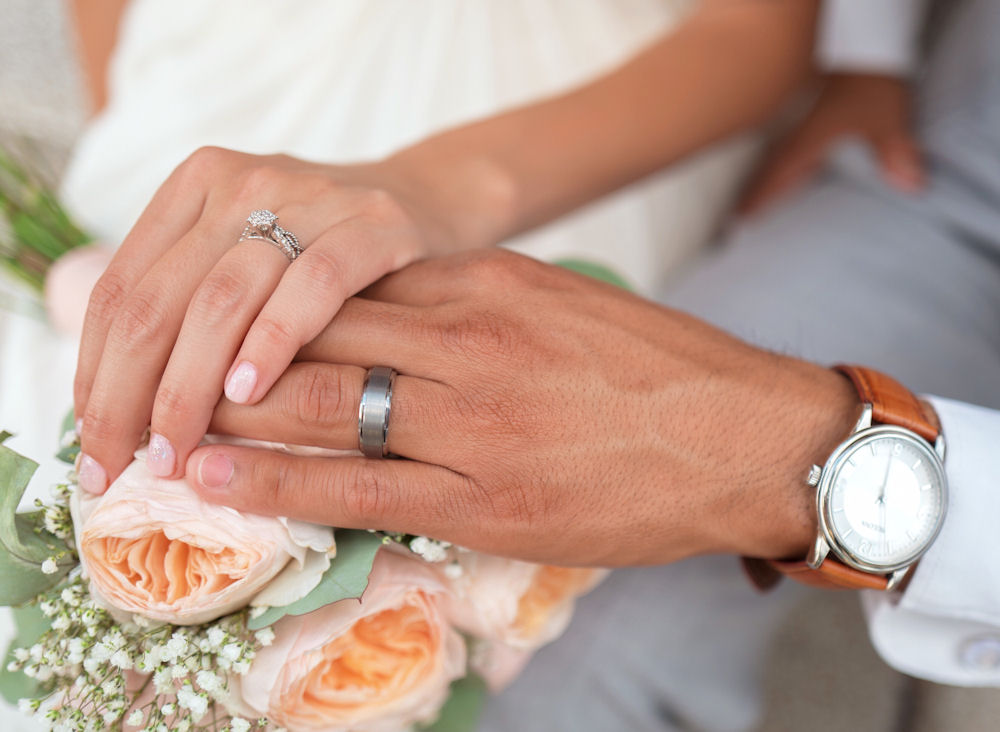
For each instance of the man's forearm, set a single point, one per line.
(724, 70)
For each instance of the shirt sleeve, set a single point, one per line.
(875, 36)
(946, 626)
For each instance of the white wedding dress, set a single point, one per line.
(344, 81)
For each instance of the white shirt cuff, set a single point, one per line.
(873, 36)
(946, 625)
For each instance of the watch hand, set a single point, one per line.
(885, 480)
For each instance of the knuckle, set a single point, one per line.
(140, 319)
(275, 334)
(175, 403)
(323, 268)
(319, 398)
(205, 161)
(100, 427)
(107, 296)
(476, 333)
(367, 495)
(219, 297)
(499, 267)
(508, 504)
(271, 481)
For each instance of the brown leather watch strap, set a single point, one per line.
(892, 403)
(831, 575)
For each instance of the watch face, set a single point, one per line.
(882, 499)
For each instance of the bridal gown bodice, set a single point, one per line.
(345, 81)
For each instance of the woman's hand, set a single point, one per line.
(184, 310)
(545, 416)
(872, 107)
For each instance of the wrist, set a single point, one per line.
(468, 200)
(809, 411)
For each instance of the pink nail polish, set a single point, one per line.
(91, 475)
(239, 386)
(215, 471)
(160, 458)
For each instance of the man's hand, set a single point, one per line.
(872, 107)
(542, 415)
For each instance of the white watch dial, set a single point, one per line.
(885, 500)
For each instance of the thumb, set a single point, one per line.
(902, 164)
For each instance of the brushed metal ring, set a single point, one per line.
(374, 411)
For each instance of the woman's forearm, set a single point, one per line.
(96, 25)
(724, 70)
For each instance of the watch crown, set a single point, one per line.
(814, 473)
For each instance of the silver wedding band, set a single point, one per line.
(373, 414)
(263, 225)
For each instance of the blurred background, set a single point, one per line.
(42, 111)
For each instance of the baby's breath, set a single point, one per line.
(96, 673)
(430, 550)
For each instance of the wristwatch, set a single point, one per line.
(881, 497)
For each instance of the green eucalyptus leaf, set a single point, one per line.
(68, 423)
(24, 545)
(595, 270)
(31, 624)
(68, 453)
(346, 578)
(464, 706)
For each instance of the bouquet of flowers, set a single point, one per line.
(35, 231)
(147, 608)
(42, 248)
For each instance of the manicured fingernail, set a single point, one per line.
(91, 475)
(79, 426)
(160, 458)
(215, 471)
(239, 386)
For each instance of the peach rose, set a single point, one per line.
(519, 604)
(378, 665)
(153, 547)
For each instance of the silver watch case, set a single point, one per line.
(823, 479)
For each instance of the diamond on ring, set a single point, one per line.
(262, 224)
(261, 219)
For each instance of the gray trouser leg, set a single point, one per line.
(844, 271)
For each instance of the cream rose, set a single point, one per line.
(153, 547)
(378, 665)
(519, 604)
